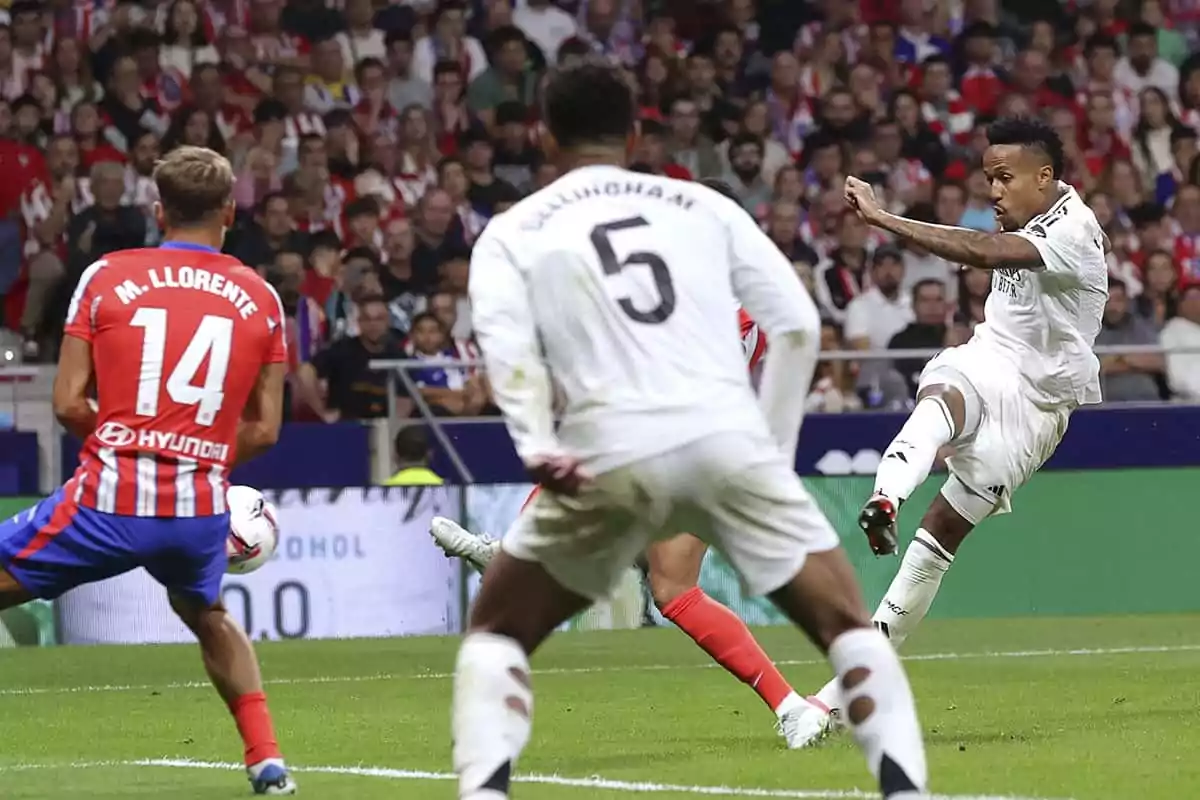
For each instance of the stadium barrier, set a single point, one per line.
(359, 562)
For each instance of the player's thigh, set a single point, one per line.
(674, 566)
(1013, 441)
(763, 519)
(55, 546)
(585, 542)
(187, 556)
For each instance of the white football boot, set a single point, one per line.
(458, 542)
(804, 725)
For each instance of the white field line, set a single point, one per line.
(319, 679)
(596, 783)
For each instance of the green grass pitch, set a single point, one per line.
(1092, 709)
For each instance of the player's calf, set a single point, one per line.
(824, 600)
(232, 667)
(518, 606)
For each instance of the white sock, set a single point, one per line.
(492, 714)
(830, 695)
(879, 708)
(789, 704)
(908, 459)
(912, 591)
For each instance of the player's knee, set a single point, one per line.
(945, 525)
(665, 590)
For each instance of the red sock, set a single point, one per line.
(722, 635)
(254, 724)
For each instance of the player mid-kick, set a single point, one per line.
(1000, 401)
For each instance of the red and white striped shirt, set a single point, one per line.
(179, 336)
(952, 119)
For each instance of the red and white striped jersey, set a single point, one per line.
(754, 341)
(179, 335)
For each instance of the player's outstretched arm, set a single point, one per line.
(75, 369)
(263, 415)
(960, 245)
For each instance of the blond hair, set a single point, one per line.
(194, 185)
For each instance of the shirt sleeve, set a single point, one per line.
(504, 326)
(276, 328)
(85, 303)
(1061, 242)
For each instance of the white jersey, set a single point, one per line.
(626, 286)
(1046, 319)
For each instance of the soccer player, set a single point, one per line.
(674, 569)
(185, 349)
(1001, 401)
(618, 288)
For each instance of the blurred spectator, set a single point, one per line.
(515, 158)
(448, 42)
(437, 236)
(921, 265)
(1183, 332)
(1142, 67)
(272, 231)
(404, 88)
(783, 226)
(413, 454)
(978, 212)
(1158, 300)
(688, 146)
(833, 383)
(746, 172)
(1130, 377)
(357, 282)
(337, 383)
(842, 275)
(450, 391)
(927, 331)
(361, 39)
(545, 24)
(508, 79)
(974, 285)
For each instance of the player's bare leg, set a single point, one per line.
(518, 607)
(232, 667)
(674, 584)
(941, 415)
(12, 593)
(825, 601)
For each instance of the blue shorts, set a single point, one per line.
(58, 545)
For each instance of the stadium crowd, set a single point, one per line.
(373, 141)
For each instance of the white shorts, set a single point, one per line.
(735, 491)
(1012, 439)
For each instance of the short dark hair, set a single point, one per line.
(886, 252)
(925, 282)
(505, 34)
(589, 103)
(365, 206)
(1032, 133)
(426, 316)
(269, 110)
(1116, 283)
(1100, 41)
(361, 253)
(194, 185)
(1141, 29)
(447, 66)
(370, 62)
(745, 138)
(411, 443)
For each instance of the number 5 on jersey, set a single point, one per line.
(601, 240)
(212, 340)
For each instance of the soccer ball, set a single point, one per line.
(253, 530)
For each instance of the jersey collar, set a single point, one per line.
(202, 248)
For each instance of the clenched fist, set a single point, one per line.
(860, 196)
